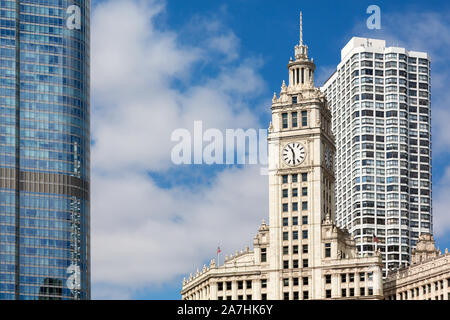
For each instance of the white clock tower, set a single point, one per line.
(301, 254)
(301, 180)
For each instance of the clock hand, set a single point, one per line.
(293, 153)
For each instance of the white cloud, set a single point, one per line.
(145, 84)
(144, 235)
(136, 105)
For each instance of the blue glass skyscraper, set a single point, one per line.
(44, 149)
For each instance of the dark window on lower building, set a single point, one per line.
(305, 295)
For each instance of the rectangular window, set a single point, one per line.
(219, 286)
(344, 292)
(286, 264)
(294, 221)
(295, 235)
(249, 285)
(352, 292)
(263, 283)
(304, 118)
(362, 276)
(295, 281)
(285, 207)
(286, 282)
(305, 263)
(305, 205)
(285, 236)
(296, 295)
(285, 120)
(305, 295)
(327, 250)
(294, 119)
(285, 222)
(228, 285)
(295, 263)
(264, 296)
(285, 193)
(343, 277)
(362, 291)
(304, 219)
(240, 285)
(295, 178)
(305, 281)
(263, 255)
(328, 278)
(295, 249)
(305, 234)
(304, 191)
(294, 206)
(304, 177)
(285, 178)
(295, 192)
(328, 294)
(351, 277)
(285, 250)
(305, 248)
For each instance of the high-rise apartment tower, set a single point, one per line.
(380, 102)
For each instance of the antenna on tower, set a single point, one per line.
(301, 29)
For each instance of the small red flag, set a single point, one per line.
(218, 250)
(375, 239)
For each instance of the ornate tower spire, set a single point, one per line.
(301, 29)
(301, 70)
(301, 50)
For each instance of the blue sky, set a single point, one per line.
(158, 66)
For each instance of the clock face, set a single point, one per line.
(294, 153)
(328, 159)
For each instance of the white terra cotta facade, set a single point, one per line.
(427, 278)
(301, 254)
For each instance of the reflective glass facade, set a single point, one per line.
(44, 149)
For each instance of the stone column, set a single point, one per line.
(377, 281)
(446, 292)
(233, 290)
(256, 289)
(357, 289)
(291, 77)
(335, 285)
(433, 289)
(213, 291)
